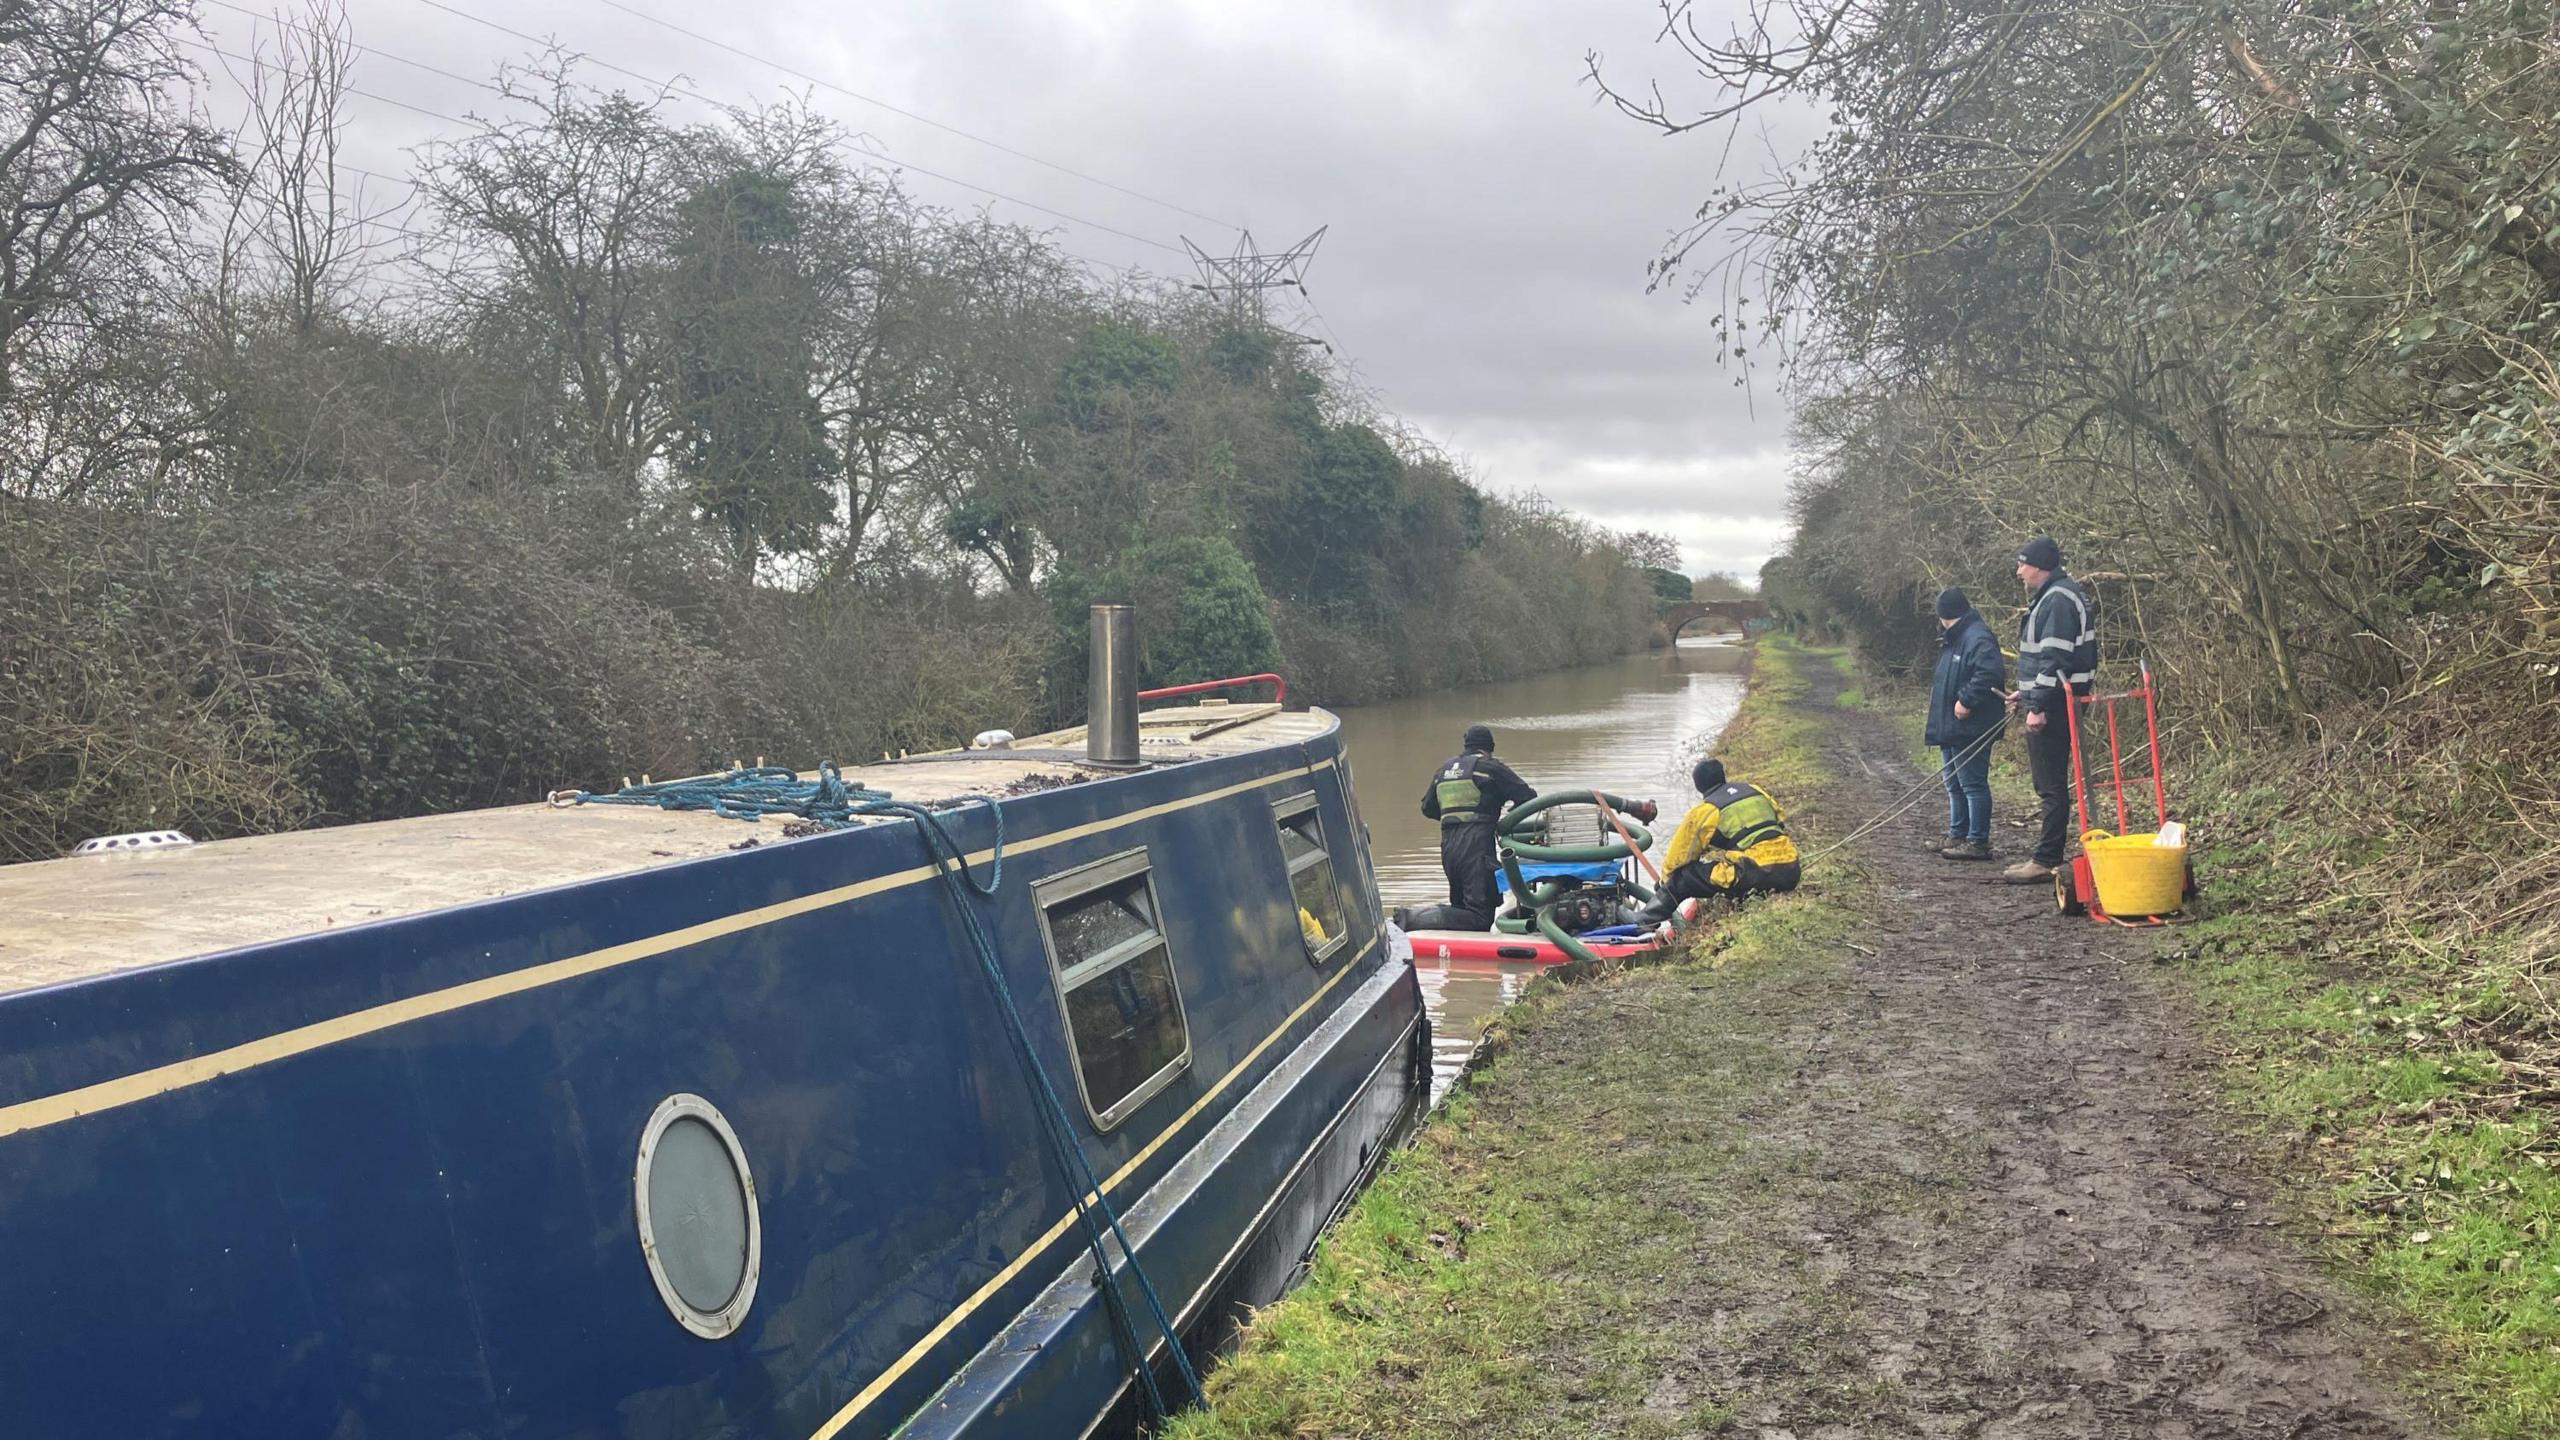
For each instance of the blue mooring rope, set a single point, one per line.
(752, 792)
(749, 792)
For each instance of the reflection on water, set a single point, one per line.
(1632, 727)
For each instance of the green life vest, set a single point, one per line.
(1461, 798)
(1744, 817)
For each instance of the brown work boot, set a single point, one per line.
(1967, 850)
(2028, 872)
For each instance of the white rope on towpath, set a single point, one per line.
(1910, 797)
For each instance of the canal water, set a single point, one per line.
(1632, 727)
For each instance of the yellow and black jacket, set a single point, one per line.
(1733, 819)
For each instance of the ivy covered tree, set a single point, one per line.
(749, 437)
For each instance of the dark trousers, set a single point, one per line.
(1466, 857)
(1710, 879)
(2049, 761)
(1968, 789)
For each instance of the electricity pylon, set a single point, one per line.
(1244, 276)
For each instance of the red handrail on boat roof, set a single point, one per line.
(1279, 687)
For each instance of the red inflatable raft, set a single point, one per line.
(1431, 945)
(1532, 948)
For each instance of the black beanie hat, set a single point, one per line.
(2042, 553)
(1478, 737)
(1952, 604)
(1708, 775)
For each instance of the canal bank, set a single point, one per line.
(1895, 1155)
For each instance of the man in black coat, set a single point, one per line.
(1467, 795)
(1964, 720)
(2057, 664)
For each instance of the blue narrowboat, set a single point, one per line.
(583, 1120)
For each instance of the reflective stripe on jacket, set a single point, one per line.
(1456, 789)
(1472, 788)
(1736, 818)
(2057, 644)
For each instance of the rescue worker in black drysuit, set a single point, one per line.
(1467, 795)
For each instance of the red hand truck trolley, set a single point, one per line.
(2147, 875)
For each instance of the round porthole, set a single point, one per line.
(697, 1212)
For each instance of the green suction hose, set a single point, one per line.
(1512, 840)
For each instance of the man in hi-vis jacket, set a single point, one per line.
(1733, 843)
(1467, 795)
(2057, 659)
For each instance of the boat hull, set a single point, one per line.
(381, 1180)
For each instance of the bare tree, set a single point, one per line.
(552, 227)
(100, 165)
(301, 230)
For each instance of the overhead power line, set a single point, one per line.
(677, 85)
(670, 86)
(350, 89)
(1333, 342)
(1017, 200)
(539, 43)
(686, 89)
(256, 18)
(969, 135)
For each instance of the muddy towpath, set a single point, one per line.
(1908, 1155)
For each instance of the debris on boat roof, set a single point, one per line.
(1039, 780)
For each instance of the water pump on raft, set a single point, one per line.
(1571, 892)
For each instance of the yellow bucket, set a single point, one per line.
(2135, 876)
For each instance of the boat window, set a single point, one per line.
(696, 1208)
(1115, 983)
(1311, 882)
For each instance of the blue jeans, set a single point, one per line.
(1968, 791)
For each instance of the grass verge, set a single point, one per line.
(2409, 1070)
(1510, 1272)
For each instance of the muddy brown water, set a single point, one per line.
(1632, 727)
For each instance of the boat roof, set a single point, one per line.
(89, 915)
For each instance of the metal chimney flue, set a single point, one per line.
(1111, 688)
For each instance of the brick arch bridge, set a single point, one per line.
(1742, 615)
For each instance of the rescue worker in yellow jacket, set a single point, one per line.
(1733, 843)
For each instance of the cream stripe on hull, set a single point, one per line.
(141, 1085)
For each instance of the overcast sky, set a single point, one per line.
(1485, 267)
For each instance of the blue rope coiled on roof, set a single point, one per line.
(753, 792)
(750, 792)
